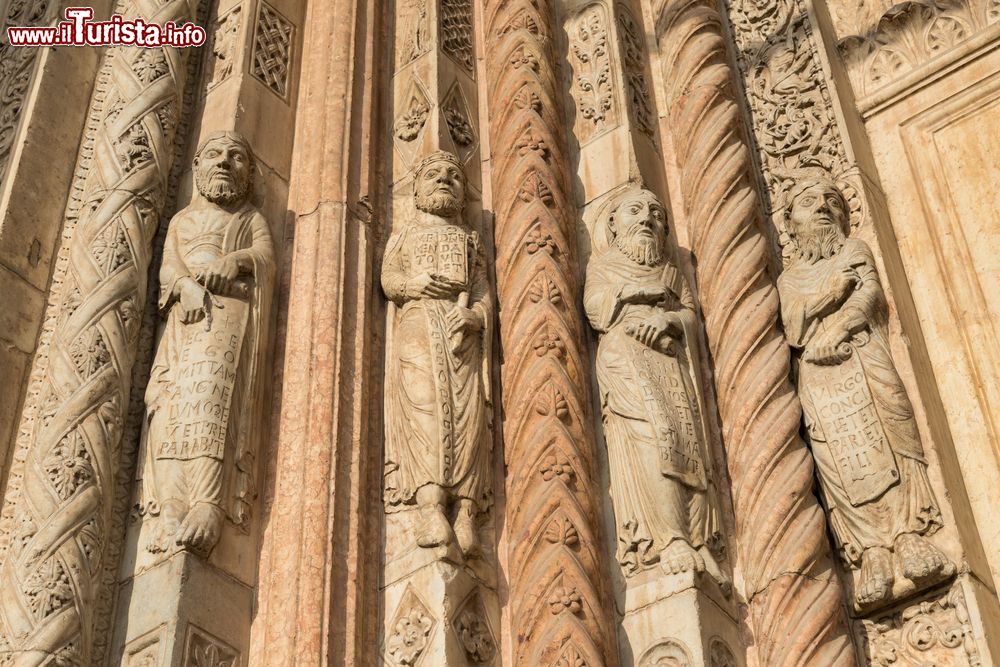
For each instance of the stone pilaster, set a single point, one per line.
(556, 560)
(438, 607)
(318, 570)
(251, 73)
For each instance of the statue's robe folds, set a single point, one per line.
(652, 421)
(204, 409)
(860, 423)
(437, 385)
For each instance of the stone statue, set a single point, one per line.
(437, 448)
(859, 420)
(204, 395)
(641, 304)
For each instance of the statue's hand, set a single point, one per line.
(220, 274)
(840, 284)
(829, 347)
(429, 286)
(641, 294)
(192, 300)
(461, 319)
(649, 331)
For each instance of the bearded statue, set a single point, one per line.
(640, 303)
(203, 400)
(859, 420)
(437, 440)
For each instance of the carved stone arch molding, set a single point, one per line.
(668, 653)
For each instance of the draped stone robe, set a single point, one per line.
(437, 385)
(652, 421)
(205, 388)
(860, 423)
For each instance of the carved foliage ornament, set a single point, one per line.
(591, 65)
(224, 40)
(935, 632)
(909, 35)
(409, 632)
(16, 67)
(634, 61)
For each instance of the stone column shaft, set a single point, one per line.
(318, 567)
(556, 559)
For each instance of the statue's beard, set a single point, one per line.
(221, 190)
(820, 244)
(439, 203)
(640, 248)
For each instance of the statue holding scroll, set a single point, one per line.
(640, 303)
(859, 420)
(204, 395)
(437, 448)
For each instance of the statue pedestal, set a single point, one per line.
(183, 611)
(685, 617)
(437, 609)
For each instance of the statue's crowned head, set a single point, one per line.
(818, 218)
(439, 185)
(638, 227)
(223, 168)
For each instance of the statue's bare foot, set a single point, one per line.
(876, 578)
(436, 531)
(680, 556)
(465, 531)
(201, 528)
(715, 571)
(161, 535)
(922, 562)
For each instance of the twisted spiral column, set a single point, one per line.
(795, 597)
(556, 571)
(58, 506)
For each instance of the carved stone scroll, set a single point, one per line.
(556, 568)
(60, 494)
(795, 598)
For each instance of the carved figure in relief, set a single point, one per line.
(437, 451)
(641, 304)
(203, 398)
(858, 418)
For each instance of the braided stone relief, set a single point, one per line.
(859, 421)
(438, 446)
(639, 301)
(271, 59)
(204, 394)
(58, 506)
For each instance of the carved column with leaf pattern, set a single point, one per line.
(556, 567)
